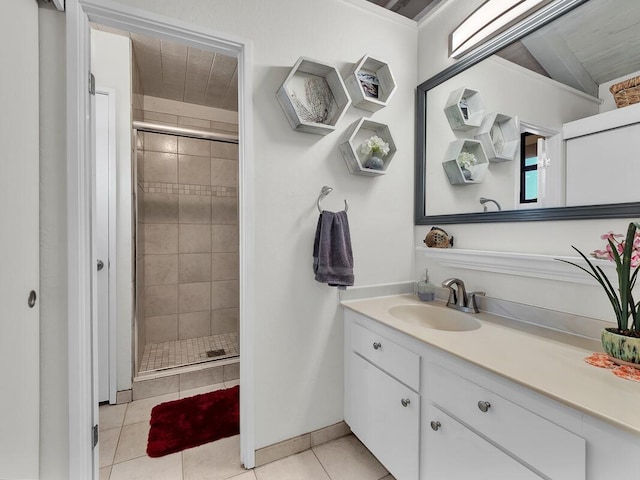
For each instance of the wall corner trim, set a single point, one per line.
(521, 264)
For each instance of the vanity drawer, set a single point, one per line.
(452, 451)
(387, 355)
(547, 447)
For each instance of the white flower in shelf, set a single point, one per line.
(374, 145)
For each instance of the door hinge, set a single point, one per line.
(95, 435)
(92, 84)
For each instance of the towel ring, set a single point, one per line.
(326, 190)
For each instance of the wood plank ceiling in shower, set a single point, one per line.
(183, 73)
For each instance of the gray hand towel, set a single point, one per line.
(332, 256)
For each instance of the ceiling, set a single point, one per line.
(593, 44)
(186, 74)
(414, 9)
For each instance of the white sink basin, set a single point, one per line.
(435, 317)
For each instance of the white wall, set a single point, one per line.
(554, 238)
(53, 250)
(298, 351)
(111, 65)
(508, 89)
(298, 348)
(433, 36)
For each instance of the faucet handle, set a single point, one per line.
(472, 300)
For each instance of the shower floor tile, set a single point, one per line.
(159, 356)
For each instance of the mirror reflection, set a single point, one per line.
(535, 125)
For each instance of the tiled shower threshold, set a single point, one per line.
(160, 357)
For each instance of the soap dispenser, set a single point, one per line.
(426, 290)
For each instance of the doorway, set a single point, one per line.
(78, 16)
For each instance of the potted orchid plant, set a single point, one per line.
(621, 343)
(376, 148)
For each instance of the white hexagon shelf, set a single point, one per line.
(464, 109)
(452, 167)
(352, 140)
(313, 97)
(499, 136)
(370, 84)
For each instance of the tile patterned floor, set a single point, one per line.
(159, 356)
(123, 440)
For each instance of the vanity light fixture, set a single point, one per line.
(491, 18)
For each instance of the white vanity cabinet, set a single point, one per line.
(540, 444)
(452, 451)
(429, 415)
(382, 404)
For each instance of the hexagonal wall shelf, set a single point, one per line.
(370, 84)
(464, 109)
(313, 97)
(500, 137)
(352, 140)
(453, 169)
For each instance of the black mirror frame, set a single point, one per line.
(538, 20)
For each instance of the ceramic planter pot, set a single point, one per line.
(374, 162)
(621, 347)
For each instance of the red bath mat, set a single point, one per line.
(193, 421)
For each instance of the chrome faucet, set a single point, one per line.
(483, 202)
(458, 297)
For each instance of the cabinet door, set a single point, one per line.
(385, 415)
(455, 452)
(19, 242)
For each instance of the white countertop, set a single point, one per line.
(546, 361)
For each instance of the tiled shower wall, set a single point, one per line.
(188, 234)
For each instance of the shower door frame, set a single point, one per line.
(81, 383)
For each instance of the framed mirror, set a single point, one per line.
(520, 96)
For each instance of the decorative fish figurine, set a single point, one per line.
(438, 238)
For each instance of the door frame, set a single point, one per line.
(81, 273)
(111, 257)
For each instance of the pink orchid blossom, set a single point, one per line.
(607, 253)
(611, 236)
(601, 254)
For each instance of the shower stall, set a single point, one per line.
(186, 247)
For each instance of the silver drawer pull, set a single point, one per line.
(435, 425)
(405, 402)
(484, 406)
(377, 345)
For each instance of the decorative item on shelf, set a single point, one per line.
(622, 344)
(465, 162)
(375, 148)
(499, 136)
(367, 147)
(438, 238)
(425, 289)
(464, 109)
(313, 96)
(626, 93)
(370, 84)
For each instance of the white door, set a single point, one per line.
(105, 242)
(19, 242)
(551, 172)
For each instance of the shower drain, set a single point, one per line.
(215, 353)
